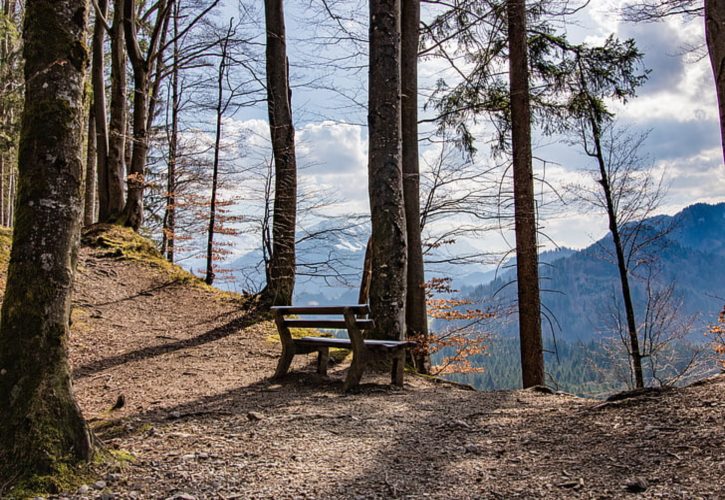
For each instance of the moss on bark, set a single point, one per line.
(43, 435)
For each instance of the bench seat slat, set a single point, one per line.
(346, 344)
(363, 324)
(354, 308)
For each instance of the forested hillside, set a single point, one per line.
(581, 290)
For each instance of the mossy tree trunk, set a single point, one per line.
(527, 258)
(385, 173)
(42, 426)
(281, 270)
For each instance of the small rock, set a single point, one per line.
(108, 496)
(190, 456)
(183, 496)
(461, 423)
(84, 489)
(255, 416)
(174, 415)
(473, 448)
(99, 485)
(202, 455)
(120, 402)
(637, 485)
(113, 477)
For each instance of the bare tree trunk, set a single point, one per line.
(133, 211)
(527, 260)
(215, 168)
(281, 283)
(89, 210)
(635, 353)
(385, 173)
(715, 35)
(116, 184)
(415, 307)
(42, 427)
(170, 211)
(99, 106)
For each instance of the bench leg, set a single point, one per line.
(396, 374)
(322, 359)
(288, 352)
(354, 374)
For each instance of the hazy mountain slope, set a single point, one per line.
(580, 289)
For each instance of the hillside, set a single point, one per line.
(578, 288)
(201, 420)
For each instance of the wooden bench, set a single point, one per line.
(355, 321)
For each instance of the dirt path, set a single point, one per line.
(201, 419)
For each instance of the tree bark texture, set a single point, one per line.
(116, 164)
(527, 261)
(388, 284)
(89, 202)
(141, 63)
(281, 273)
(715, 35)
(415, 307)
(42, 426)
(99, 110)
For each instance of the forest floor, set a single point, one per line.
(201, 419)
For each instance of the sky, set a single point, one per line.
(677, 107)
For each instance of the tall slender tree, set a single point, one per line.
(142, 63)
(281, 269)
(527, 259)
(415, 306)
(388, 286)
(98, 81)
(117, 124)
(42, 426)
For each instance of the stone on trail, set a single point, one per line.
(637, 485)
(255, 416)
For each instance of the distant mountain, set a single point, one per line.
(578, 289)
(330, 258)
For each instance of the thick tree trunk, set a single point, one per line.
(99, 110)
(527, 261)
(715, 35)
(89, 203)
(415, 306)
(385, 173)
(116, 184)
(281, 282)
(42, 426)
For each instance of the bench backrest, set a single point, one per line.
(353, 318)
